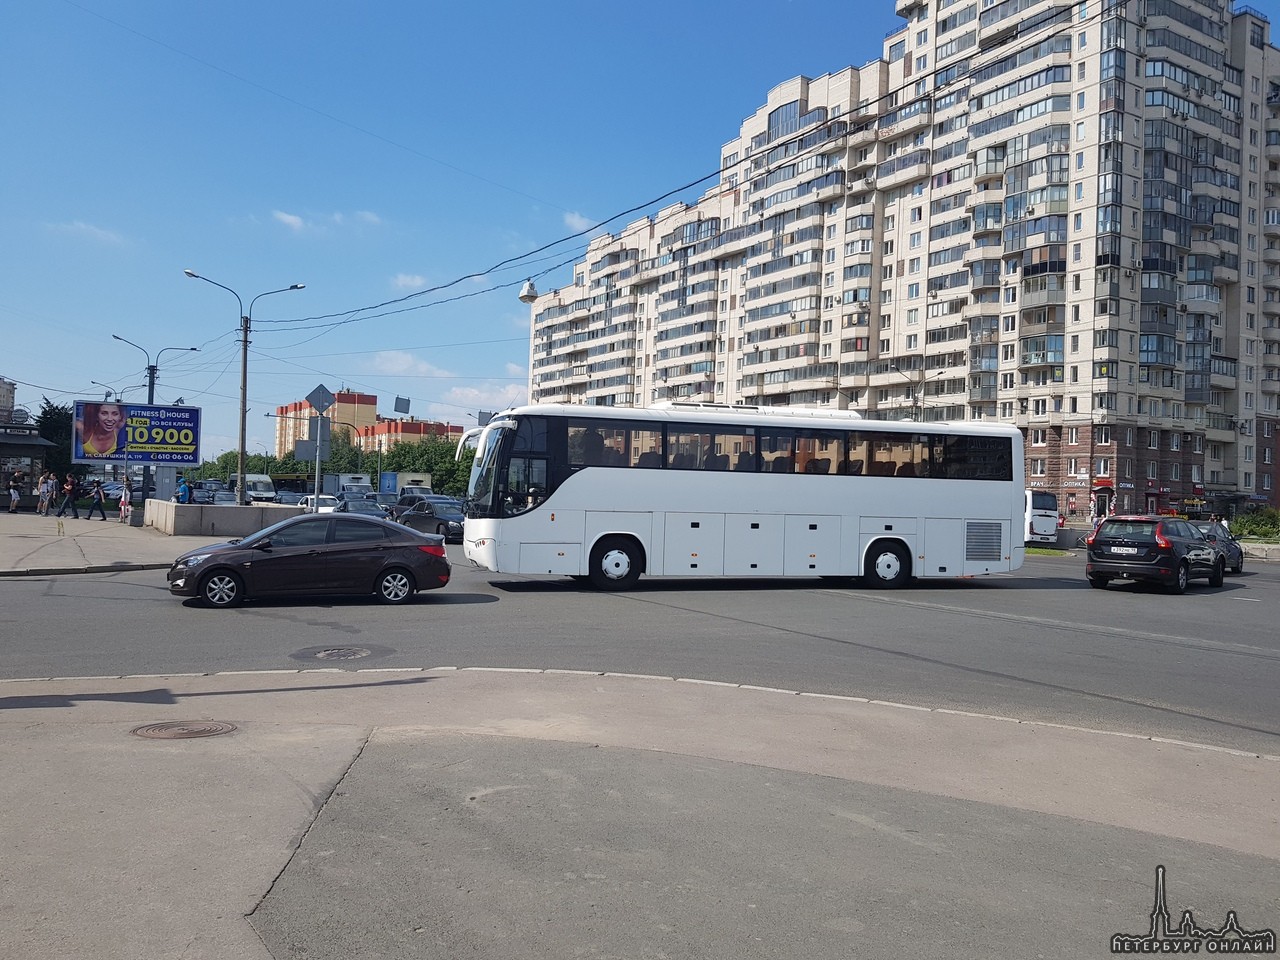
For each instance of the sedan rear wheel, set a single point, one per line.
(222, 589)
(1179, 584)
(1239, 564)
(394, 586)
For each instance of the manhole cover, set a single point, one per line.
(336, 653)
(183, 729)
(342, 653)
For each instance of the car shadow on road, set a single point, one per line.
(324, 602)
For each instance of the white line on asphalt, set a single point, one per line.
(711, 683)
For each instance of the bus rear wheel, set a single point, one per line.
(887, 566)
(615, 564)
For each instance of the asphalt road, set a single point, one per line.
(1038, 644)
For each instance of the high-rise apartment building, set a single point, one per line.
(1065, 216)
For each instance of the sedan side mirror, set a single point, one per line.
(263, 544)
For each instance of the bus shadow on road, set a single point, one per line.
(742, 584)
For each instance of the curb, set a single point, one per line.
(100, 568)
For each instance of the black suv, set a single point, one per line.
(1165, 550)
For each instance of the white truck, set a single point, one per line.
(404, 482)
(336, 483)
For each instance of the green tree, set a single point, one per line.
(54, 424)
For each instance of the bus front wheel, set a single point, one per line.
(615, 564)
(887, 566)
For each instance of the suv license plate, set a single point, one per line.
(1124, 549)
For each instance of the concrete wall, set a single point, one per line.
(222, 522)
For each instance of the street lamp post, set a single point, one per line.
(246, 321)
(136, 519)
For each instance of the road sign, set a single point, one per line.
(320, 398)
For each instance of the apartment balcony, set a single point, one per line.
(1271, 332)
(1271, 221)
(1271, 255)
(1271, 178)
(1041, 358)
(984, 279)
(1270, 385)
(862, 137)
(983, 393)
(1041, 298)
(986, 171)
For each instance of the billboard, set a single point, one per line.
(135, 433)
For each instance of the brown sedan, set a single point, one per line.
(325, 553)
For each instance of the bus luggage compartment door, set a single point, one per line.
(753, 545)
(812, 546)
(694, 545)
(559, 558)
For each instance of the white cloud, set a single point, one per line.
(516, 370)
(577, 222)
(405, 364)
(292, 221)
(461, 403)
(408, 281)
(87, 230)
(368, 216)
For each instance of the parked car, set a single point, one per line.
(203, 491)
(387, 500)
(327, 504)
(288, 497)
(1222, 538)
(314, 554)
(361, 505)
(222, 497)
(435, 516)
(1165, 550)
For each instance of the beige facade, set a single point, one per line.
(1067, 218)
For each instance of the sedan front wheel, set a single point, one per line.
(222, 589)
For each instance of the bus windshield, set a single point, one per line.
(482, 487)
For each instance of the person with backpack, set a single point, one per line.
(184, 491)
(70, 491)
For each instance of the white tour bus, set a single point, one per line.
(1041, 517)
(704, 490)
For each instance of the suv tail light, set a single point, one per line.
(1161, 540)
(436, 550)
(1089, 539)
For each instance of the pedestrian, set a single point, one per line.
(48, 490)
(70, 490)
(126, 501)
(15, 490)
(97, 497)
(184, 491)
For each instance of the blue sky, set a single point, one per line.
(368, 150)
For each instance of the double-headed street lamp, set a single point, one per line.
(136, 519)
(246, 320)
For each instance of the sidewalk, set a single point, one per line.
(540, 814)
(31, 545)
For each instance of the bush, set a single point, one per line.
(1259, 524)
